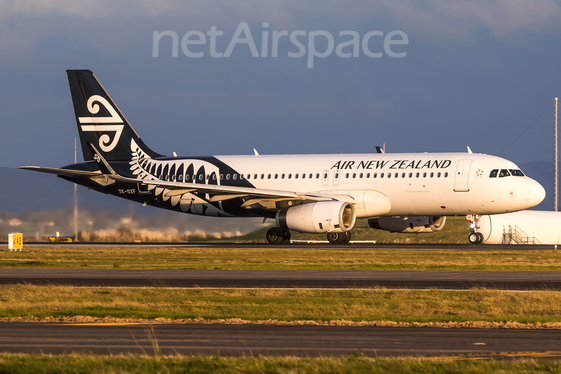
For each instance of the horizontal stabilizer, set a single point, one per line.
(66, 172)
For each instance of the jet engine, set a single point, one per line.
(411, 224)
(323, 216)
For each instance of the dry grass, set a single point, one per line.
(282, 304)
(356, 363)
(289, 258)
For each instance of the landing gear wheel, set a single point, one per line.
(334, 237)
(347, 238)
(339, 237)
(480, 238)
(475, 238)
(274, 235)
(285, 237)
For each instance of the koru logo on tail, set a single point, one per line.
(105, 142)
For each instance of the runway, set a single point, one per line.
(237, 340)
(451, 280)
(370, 246)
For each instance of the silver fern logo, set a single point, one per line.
(102, 124)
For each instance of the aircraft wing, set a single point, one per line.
(260, 196)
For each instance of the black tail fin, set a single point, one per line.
(100, 122)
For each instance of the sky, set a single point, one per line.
(453, 74)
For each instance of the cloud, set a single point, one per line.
(460, 18)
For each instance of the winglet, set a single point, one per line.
(469, 150)
(255, 151)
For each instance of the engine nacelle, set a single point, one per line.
(323, 216)
(412, 224)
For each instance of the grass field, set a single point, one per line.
(145, 257)
(281, 304)
(355, 363)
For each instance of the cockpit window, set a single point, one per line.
(516, 172)
(504, 173)
(494, 173)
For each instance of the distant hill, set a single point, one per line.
(24, 190)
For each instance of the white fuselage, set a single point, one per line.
(414, 183)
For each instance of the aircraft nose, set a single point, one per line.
(534, 193)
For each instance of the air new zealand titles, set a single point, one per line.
(393, 164)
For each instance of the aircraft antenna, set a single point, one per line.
(556, 161)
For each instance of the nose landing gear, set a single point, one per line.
(474, 237)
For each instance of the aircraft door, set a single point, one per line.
(325, 177)
(336, 176)
(461, 182)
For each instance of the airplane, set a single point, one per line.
(398, 192)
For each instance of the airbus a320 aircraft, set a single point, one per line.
(399, 192)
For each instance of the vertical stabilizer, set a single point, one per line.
(100, 122)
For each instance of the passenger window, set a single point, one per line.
(336, 175)
(255, 176)
(276, 176)
(180, 178)
(296, 176)
(311, 175)
(424, 175)
(417, 175)
(289, 176)
(235, 176)
(403, 175)
(446, 175)
(389, 175)
(438, 175)
(347, 176)
(504, 173)
(516, 173)
(282, 176)
(249, 176)
(493, 173)
(325, 176)
(317, 176)
(227, 177)
(382, 175)
(303, 175)
(201, 177)
(431, 175)
(354, 175)
(410, 175)
(187, 177)
(262, 176)
(367, 175)
(269, 176)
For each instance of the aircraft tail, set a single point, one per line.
(100, 122)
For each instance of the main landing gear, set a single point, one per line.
(276, 235)
(474, 237)
(339, 237)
